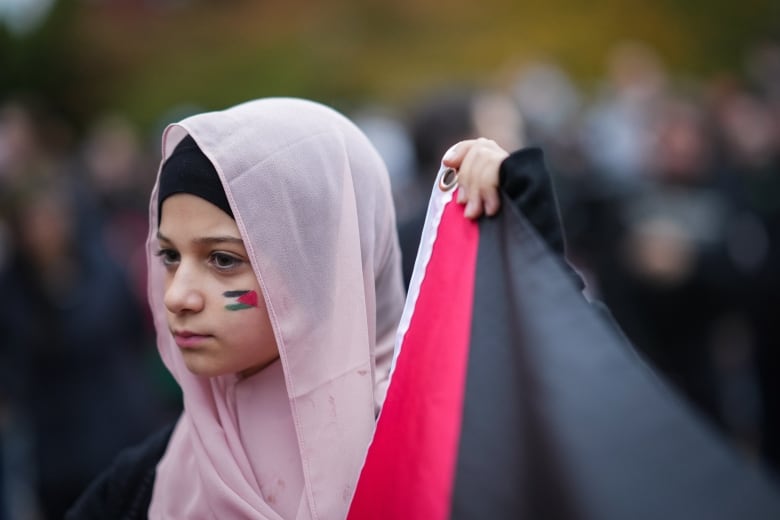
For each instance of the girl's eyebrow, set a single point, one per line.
(206, 240)
(218, 239)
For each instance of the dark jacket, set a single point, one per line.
(124, 490)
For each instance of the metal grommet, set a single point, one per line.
(448, 179)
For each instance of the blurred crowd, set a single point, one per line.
(669, 189)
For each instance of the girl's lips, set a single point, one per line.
(186, 339)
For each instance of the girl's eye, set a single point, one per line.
(168, 256)
(224, 261)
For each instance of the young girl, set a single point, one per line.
(275, 285)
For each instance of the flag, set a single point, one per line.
(512, 396)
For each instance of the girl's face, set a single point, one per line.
(216, 311)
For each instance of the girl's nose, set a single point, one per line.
(182, 293)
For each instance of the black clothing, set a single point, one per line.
(72, 371)
(524, 177)
(124, 490)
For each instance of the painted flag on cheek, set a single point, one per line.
(244, 299)
(512, 396)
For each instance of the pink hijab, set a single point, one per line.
(311, 198)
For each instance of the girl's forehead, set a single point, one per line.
(186, 214)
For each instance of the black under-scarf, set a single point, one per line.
(188, 170)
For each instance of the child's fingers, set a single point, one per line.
(468, 179)
(483, 163)
(473, 209)
(477, 162)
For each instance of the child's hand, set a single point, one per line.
(477, 162)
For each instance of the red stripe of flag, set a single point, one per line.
(409, 469)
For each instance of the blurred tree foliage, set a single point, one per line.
(42, 64)
(144, 58)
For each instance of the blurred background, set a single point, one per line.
(660, 122)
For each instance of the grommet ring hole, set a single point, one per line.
(448, 179)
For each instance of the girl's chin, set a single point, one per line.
(201, 367)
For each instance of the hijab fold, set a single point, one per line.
(311, 199)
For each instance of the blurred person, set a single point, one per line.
(618, 131)
(436, 121)
(667, 282)
(548, 99)
(115, 167)
(763, 69)
(71, 340)
(496, 114)
(19, 143)
(749, 131)
(31, 140)
(21, 150)
(392, 140)
(276, 289)
(552, 107)
(32, 137)
(19, 498)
